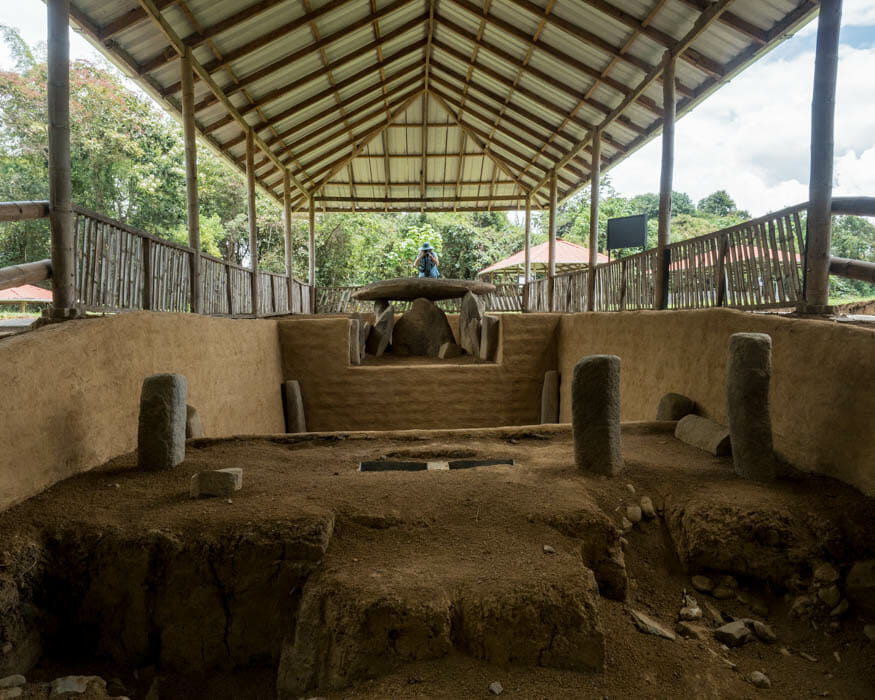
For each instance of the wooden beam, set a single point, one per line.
(594, 183)
(192, 208)
(732, 20)
(60, 182)
(311, 244)
(817, 251)
(527, 265)
(128, 20)
(26, 273)
(551, 260)
(420, 200)
(660, 297)
(253, 226)
(287, 234)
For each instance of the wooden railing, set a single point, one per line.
(338, 300)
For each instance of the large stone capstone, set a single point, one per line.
(422, 330)
(410, 288)
(595, 414)
(747, 393)
(161, 430)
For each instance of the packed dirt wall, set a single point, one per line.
(822, 403)
(71, 392)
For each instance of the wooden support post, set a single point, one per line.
(660, 297)
(551, 264)
(191, 193)
(816, 284)
(60, 184)
(527, 268)
(721, 270)
(253, 230)
(311, 250)
(147, 273)
(287, 232)
(594, 183)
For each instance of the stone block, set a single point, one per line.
(489, 327)
(747, 391)
(194, 428)
(295, 418)
(161, 430)
(449, 351)
(704, 434)
(221, 483)
(732, 635)
(422, 330)
(550, 397)
(381, 334)
(674, 407)
(469, 324)
(595, 414)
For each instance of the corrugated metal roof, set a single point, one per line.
(432, 104)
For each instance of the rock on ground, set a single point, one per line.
(633, 514)
(674, 407)
(733, 634)
(702, 584)
(759, 680)
(704, 434)
(13, 681)
(496, 688)
(690, 630)
(78, 684)
(422, 330)
(216, 483)
(647, 509)
(648, 625)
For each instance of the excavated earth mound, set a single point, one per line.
(316, 578)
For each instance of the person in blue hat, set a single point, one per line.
(427, 261)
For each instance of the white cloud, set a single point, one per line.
(752, 136)
(855, 13)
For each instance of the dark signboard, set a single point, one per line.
(627, 232)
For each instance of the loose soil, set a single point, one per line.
(485, 526)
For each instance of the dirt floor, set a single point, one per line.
(462, 534)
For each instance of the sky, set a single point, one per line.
(750, 138)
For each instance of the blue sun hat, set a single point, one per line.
(426, 246)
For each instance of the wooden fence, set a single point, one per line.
(338, 300)
(119, 268)
(754, 265)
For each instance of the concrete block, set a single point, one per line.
(595, 414)
(489, 326)
(747, 392)
(674, 407)
(220, 483)
(550, 397)
(295, 419)
(161, 430)
(704, 434)
(194, 428)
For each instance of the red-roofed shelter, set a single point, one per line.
(24, 295)
(569, 257)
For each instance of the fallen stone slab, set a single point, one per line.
(489, 327)
(704, 434)
(422, 330)
(690, 630)
(294, 403)
(449, 351)
(674, 407)
(78, 685)
(648, 625)
(161, 429)
(748, 375)
(410, 288)
(550, 397)
(733, 634)
(220, 483)
(380, 336)
(194, 428)
(595, 414)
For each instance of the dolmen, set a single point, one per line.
(424, 329)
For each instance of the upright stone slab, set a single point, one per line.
(161, 432)
(595, 414)
(355, 353)
(489, 326)
(380, 305)
(194, 428)
(550, 397)
(747, 392)
(295, 421)
(381, 334)
(674, 407)
(469, 325)
(422, 330)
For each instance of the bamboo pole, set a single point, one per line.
(311, 244)
(817, 257)
(594, 181)
(551, 264)
(26, 273)
(527, 268)
(253, 231)
(60, 184)
(287, 231)
(191, 191)
(660, 300)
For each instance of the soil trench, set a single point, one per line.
(318, 579)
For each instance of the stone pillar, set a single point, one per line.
(595, 414)
(550, 397)
(747, 391)
(295, 421)
(163, 413)
(489, 327)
